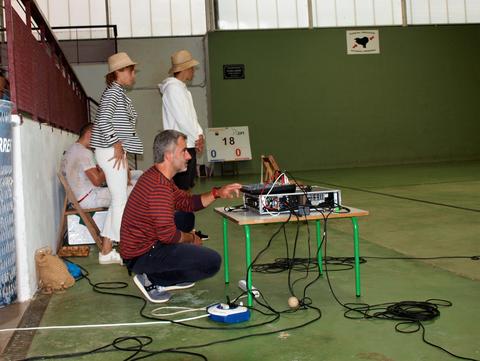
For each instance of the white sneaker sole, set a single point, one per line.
(177, 287)
(110, 262)
(145, 293)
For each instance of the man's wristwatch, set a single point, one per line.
(215, 193)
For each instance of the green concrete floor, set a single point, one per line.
(396, 227)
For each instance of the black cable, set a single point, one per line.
(473, 258)
(107, 287)
(406, 313)
(141, 342)
(396, 196)
(344, 263)
(319, 315)
(139, 347)
(302, 264)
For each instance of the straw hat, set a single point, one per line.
(182, 60)
(119, 61)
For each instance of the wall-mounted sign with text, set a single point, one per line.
(233, 71)
(363, 42)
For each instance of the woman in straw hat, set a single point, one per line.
(113, 136)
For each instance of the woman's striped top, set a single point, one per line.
(148, 217)
(115, 121)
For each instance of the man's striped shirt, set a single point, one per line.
(115, 121)
(149, 213)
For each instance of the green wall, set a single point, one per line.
(312, 106)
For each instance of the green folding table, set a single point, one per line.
(250, 218)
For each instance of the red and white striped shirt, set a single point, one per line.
(149, 213)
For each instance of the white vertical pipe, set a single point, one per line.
(151, 17)
(355, 12)
(191, 16)
(374, 13)
(310, 15)
(404, 13)
(131, 20)
(171, 18)
(276, 12)
(236, 14)
(430, 12)
(448, 12)
(210, 15)
(90, 18)
(336, 13)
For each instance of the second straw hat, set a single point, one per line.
(119, 61)
(182, 60)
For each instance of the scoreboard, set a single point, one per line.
(228, 144)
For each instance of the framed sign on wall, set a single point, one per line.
(228, 144)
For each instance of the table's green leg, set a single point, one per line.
(225, 249)
(319, 244)
(248, 260)
(356, 252)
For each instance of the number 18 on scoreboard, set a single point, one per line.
(228, 144)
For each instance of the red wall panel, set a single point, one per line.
(43, 88)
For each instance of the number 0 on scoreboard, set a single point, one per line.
(228, 144)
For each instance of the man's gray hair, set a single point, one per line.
(165, 141)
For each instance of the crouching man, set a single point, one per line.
(164, 252)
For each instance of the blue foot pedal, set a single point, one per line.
(222, 312)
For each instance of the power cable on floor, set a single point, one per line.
(408, 313)
(395, 196)
(140, 342)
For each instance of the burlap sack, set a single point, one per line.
(53, 275)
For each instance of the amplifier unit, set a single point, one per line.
(314, 200)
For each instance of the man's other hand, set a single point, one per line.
(200, 143)
(196, 239)
(230, 190)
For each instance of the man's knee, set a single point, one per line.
(214, 263)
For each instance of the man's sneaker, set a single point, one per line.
(179, 286)
(110, 258)
(202, 236)
(155, 294)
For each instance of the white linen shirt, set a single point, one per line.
(75, 162)
(178, 111)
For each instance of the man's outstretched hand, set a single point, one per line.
(230, 190)
(227, 191)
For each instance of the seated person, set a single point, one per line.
(86, 178)
(164, 253)
(83, 174)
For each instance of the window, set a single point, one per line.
(146, 18)
(274, 14)
(134, 18)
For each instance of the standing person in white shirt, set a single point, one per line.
(179, 114)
